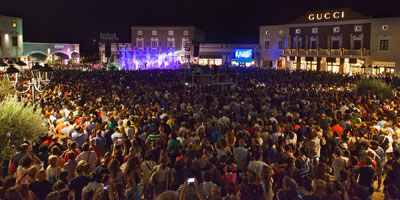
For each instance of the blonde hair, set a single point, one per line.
(53, 160)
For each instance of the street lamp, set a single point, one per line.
(38, 78)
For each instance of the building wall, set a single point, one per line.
(162, 35)
(389, 57)
(49, 49)
(10, 27)
(370, 54)
(272, 34)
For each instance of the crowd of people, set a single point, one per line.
(146, 135)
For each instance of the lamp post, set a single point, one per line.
(38, 78)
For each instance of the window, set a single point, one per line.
(14, 41)
(139, 43)
(185, 44)
(266, 32)
(280, 44)
(170, 32)
(336, 29)
(266, 44)
(313, 44)
(281, 32)
(14, 25)
(357, 28)
(357, 44)
(154, 44)
(185, 32)
(335, 44)
(140, 32)
(298, 31)
(171, 43)
(314, 30)
(383, 44)
(385, 27)
(153, 32)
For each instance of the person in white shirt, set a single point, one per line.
(338, 164)
(256, 165)
(89, 156)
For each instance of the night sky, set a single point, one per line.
(80, 21)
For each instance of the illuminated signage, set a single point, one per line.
(326, 16)
(59, 46)
(243, 55)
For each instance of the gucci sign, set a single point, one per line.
(326, 16)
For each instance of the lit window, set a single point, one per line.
(171, 32)
(385, 27)
(153, 32)
(298, 31)
(14, 24)
(140, 32)
(383, 44)
(336, 29)
(357, 28)
(185, 32)
(266, 32)
(315, 30)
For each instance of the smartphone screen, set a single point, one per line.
(190, 180)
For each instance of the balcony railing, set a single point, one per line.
(326, 52)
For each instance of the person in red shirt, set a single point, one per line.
(337, 128)
(72, 147)
(93, 147)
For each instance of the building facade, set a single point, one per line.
(224, 54)
(11, 37)
(162, 46)
(52, 52)
(13, 48)
(338, 41)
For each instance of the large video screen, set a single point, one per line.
(243, 55)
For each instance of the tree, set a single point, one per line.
(19, 122)
(5, 88)
(374, 86)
